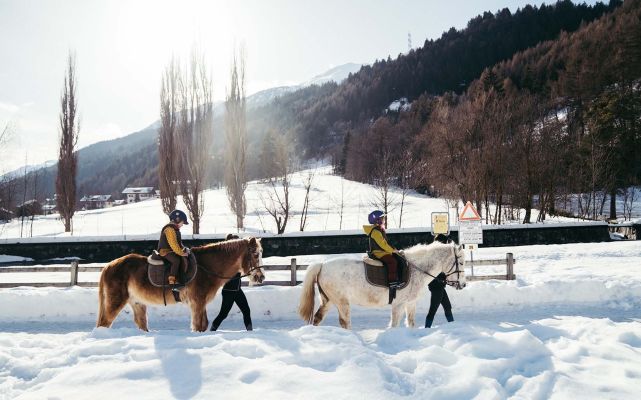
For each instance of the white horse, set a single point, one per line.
(342, 281)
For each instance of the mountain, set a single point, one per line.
(336, 74)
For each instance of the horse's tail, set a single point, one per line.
(101, 302)
(306, 306)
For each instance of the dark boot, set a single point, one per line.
(428, 323)
(214, 326)
(392, 294)
(249, 327)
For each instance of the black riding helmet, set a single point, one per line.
(177, 216)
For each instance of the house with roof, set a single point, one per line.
(95, 201)
(136, 194)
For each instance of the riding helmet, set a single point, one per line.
(177, 216)
(376, 217)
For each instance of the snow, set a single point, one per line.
(567, 327)
(143, 220)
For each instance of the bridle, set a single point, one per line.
(259, 266)
(454, 269)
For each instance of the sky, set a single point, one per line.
(122, 47)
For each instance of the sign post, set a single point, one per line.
(470, 230)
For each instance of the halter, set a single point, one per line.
(454, 269)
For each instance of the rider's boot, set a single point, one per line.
(428, 322)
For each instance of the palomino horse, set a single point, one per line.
(342, 281)
(125, 280)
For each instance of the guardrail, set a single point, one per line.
(293, 267)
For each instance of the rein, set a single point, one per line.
(226, 277)
(455, 266)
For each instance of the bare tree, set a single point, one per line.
(23, 206)
(236, 144)
(406, 168)
(67, 156)
(196, 133)
(170, 106)
(307, 186)
(276, 199)
(384, 197)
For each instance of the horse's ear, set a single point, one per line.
(252, 241)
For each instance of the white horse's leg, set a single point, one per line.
(410, 313)
(344, 317)
(397, 310)
(322, 310)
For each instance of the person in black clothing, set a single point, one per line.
(232, 293)
(438, 297)
(438, 293)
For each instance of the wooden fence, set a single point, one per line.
(293, 267)
(75, 268)
(509, 268)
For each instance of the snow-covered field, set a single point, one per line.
(568, 327)
(325, 212)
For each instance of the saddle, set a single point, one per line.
(376, 272)
(158, 272)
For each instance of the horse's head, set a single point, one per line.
(253, 262)
(437, 257)
(456, 275)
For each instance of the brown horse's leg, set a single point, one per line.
(140, 315)
(204, 321)
(322, 310)
(112, 308)
(198, 317)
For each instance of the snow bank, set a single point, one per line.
(569, 357)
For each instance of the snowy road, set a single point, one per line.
(568, 328)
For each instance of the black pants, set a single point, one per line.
(438, 297)
(229, 298)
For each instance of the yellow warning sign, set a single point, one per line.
(440, 223)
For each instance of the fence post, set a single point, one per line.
(293, 271)
(74, 273)
(510, 266)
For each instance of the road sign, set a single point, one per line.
(469, 213)
(440, 223)
(470, 232)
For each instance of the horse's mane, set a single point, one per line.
(227, 246)
(422, 252)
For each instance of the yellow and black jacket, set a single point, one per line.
(170, 240)
(378, 241)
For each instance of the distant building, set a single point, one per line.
(96, 201)
(119, 202)
(134, 195)
(29, 208)
(6, 215)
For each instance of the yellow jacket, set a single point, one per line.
(378, 241)
(170, 240)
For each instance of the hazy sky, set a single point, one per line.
(122, 47)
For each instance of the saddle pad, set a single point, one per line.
(156, 273)
(377, 276)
